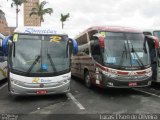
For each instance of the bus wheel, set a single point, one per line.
(87, 79)
(9, 87)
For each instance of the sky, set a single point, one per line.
(140, 14)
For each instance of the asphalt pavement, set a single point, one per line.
(80, 103)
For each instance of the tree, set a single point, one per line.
(17, 3)
(41, 11)
(64, 18)
(1, 11)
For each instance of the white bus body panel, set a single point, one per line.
(22, 85)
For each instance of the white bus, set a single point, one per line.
(3, 61)
(39, 61)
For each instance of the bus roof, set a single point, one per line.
(37, 30)
(152, 29)
(112, 29)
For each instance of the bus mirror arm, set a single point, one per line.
(144, 44)
(158, 62)
(74, 46)
(5, 44)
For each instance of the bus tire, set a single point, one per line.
(9, 85)
(87, 79)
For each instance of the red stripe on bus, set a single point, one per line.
(100, 66)
(82, 58)
(87, 64)
(122, 73)
(119, 71)
(141, 73)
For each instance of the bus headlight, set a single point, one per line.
(16, 82)
(148, 72)
(111, 75)
(64, 80)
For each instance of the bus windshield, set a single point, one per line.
(125, 50)
(40, 54)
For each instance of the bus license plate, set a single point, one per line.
(41, 92)
(132, 84)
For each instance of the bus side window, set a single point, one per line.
(83, 48)
(147, 33)
(96, 51)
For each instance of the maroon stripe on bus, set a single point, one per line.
(118, 72)
(122, 73)
(141, 73)
(87, 64)
(100, 66)
(85, 58)
(82, 58)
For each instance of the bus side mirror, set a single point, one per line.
(95, 37)
(98, 37)
(101, 42)
(158, 60)
(144, 45)
(74, 46)
(5, 45)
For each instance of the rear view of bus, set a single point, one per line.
(39, 62)
(117, 57)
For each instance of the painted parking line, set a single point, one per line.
(3, 86)
(80, 106)
(146, 92)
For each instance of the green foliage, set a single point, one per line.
(17, 2)
(64, 18)
(41, 11)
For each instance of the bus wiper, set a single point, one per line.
(138, 60)
(35, 61)
(51, 61)
(124, 51)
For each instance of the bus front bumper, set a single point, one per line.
(115, 83)
(22, 90)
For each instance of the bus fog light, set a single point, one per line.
(111, 75)
(17, 82)
(149, 83)
(63, 81)
(12, 90)
(110, 84)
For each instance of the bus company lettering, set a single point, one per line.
(45, 80)
(39, 31)
(35, 80)
(38, 80)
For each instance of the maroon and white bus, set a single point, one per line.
(112, 57)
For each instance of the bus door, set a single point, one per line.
(153, 45)
(158, 68)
